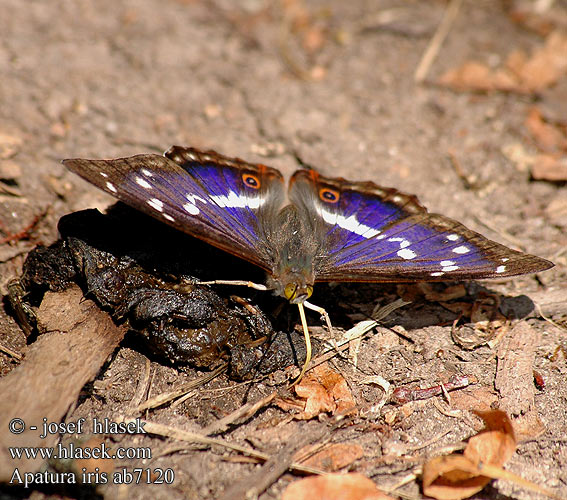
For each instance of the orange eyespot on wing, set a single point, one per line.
(329, 195)
(251, 180)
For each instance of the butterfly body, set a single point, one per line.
(322, 229)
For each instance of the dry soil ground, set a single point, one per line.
(328, 84)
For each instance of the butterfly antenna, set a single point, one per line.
(307, 344)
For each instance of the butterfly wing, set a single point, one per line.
(379, 234)
(212, 197)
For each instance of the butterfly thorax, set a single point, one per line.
(293, 246)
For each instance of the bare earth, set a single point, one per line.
(327, 84)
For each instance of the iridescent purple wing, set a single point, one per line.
(218, 199)
(378, 234)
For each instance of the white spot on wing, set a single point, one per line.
(505, 259)
(453, 237)
(500, 269)
(191, 198)
(104, 174)
(407, 254)
(233, 200)
(461, 250)
(349, 223)
(168, 217)
(447, 263)
(403, 242)
(111, 187)
(448, 269)
(146, 172)
(438, 273)
(155, 203)
(142, 182)
(448, 266)
(192, 209)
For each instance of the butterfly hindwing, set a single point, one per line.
(379, 234)
(204, 194)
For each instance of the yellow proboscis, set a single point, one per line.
(307, 344)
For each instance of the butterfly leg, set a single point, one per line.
(322, 312)
(249, 284)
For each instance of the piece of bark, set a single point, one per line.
(78, 340)
(515, 381)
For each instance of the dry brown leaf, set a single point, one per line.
(455, 477)
(10, 145)
(352, 486)
(334, 457)
(539, 22)
(548, 167)
(461, 308)
(548, 137)
(486, 308)
(496, 444)
(449, 293)
(546, 65)
(475, 76)
(452, 477)
(324, 391)
(522, 74)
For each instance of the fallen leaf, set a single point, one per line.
(10, 170)
(323, 391)
(548, 137)
(476, 76)
(546, 65)
(454, 477)
(521, 73)
(494, 445)
(10, 145)
(352, 486)
(333, 457)
(548, 167)
(449, 293)
(541, 23)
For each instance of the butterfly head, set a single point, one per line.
(294, 285)
(296, 293)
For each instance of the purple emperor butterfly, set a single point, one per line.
(322, 229)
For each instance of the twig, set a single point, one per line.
(437, 40)
(10, 352)
(358, 331)
(164, 398)
(549, 320)
(242, 412)
(193, 437)
(143, 385)
(259, 481)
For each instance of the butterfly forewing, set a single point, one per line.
(380, 234)
(218, 199)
